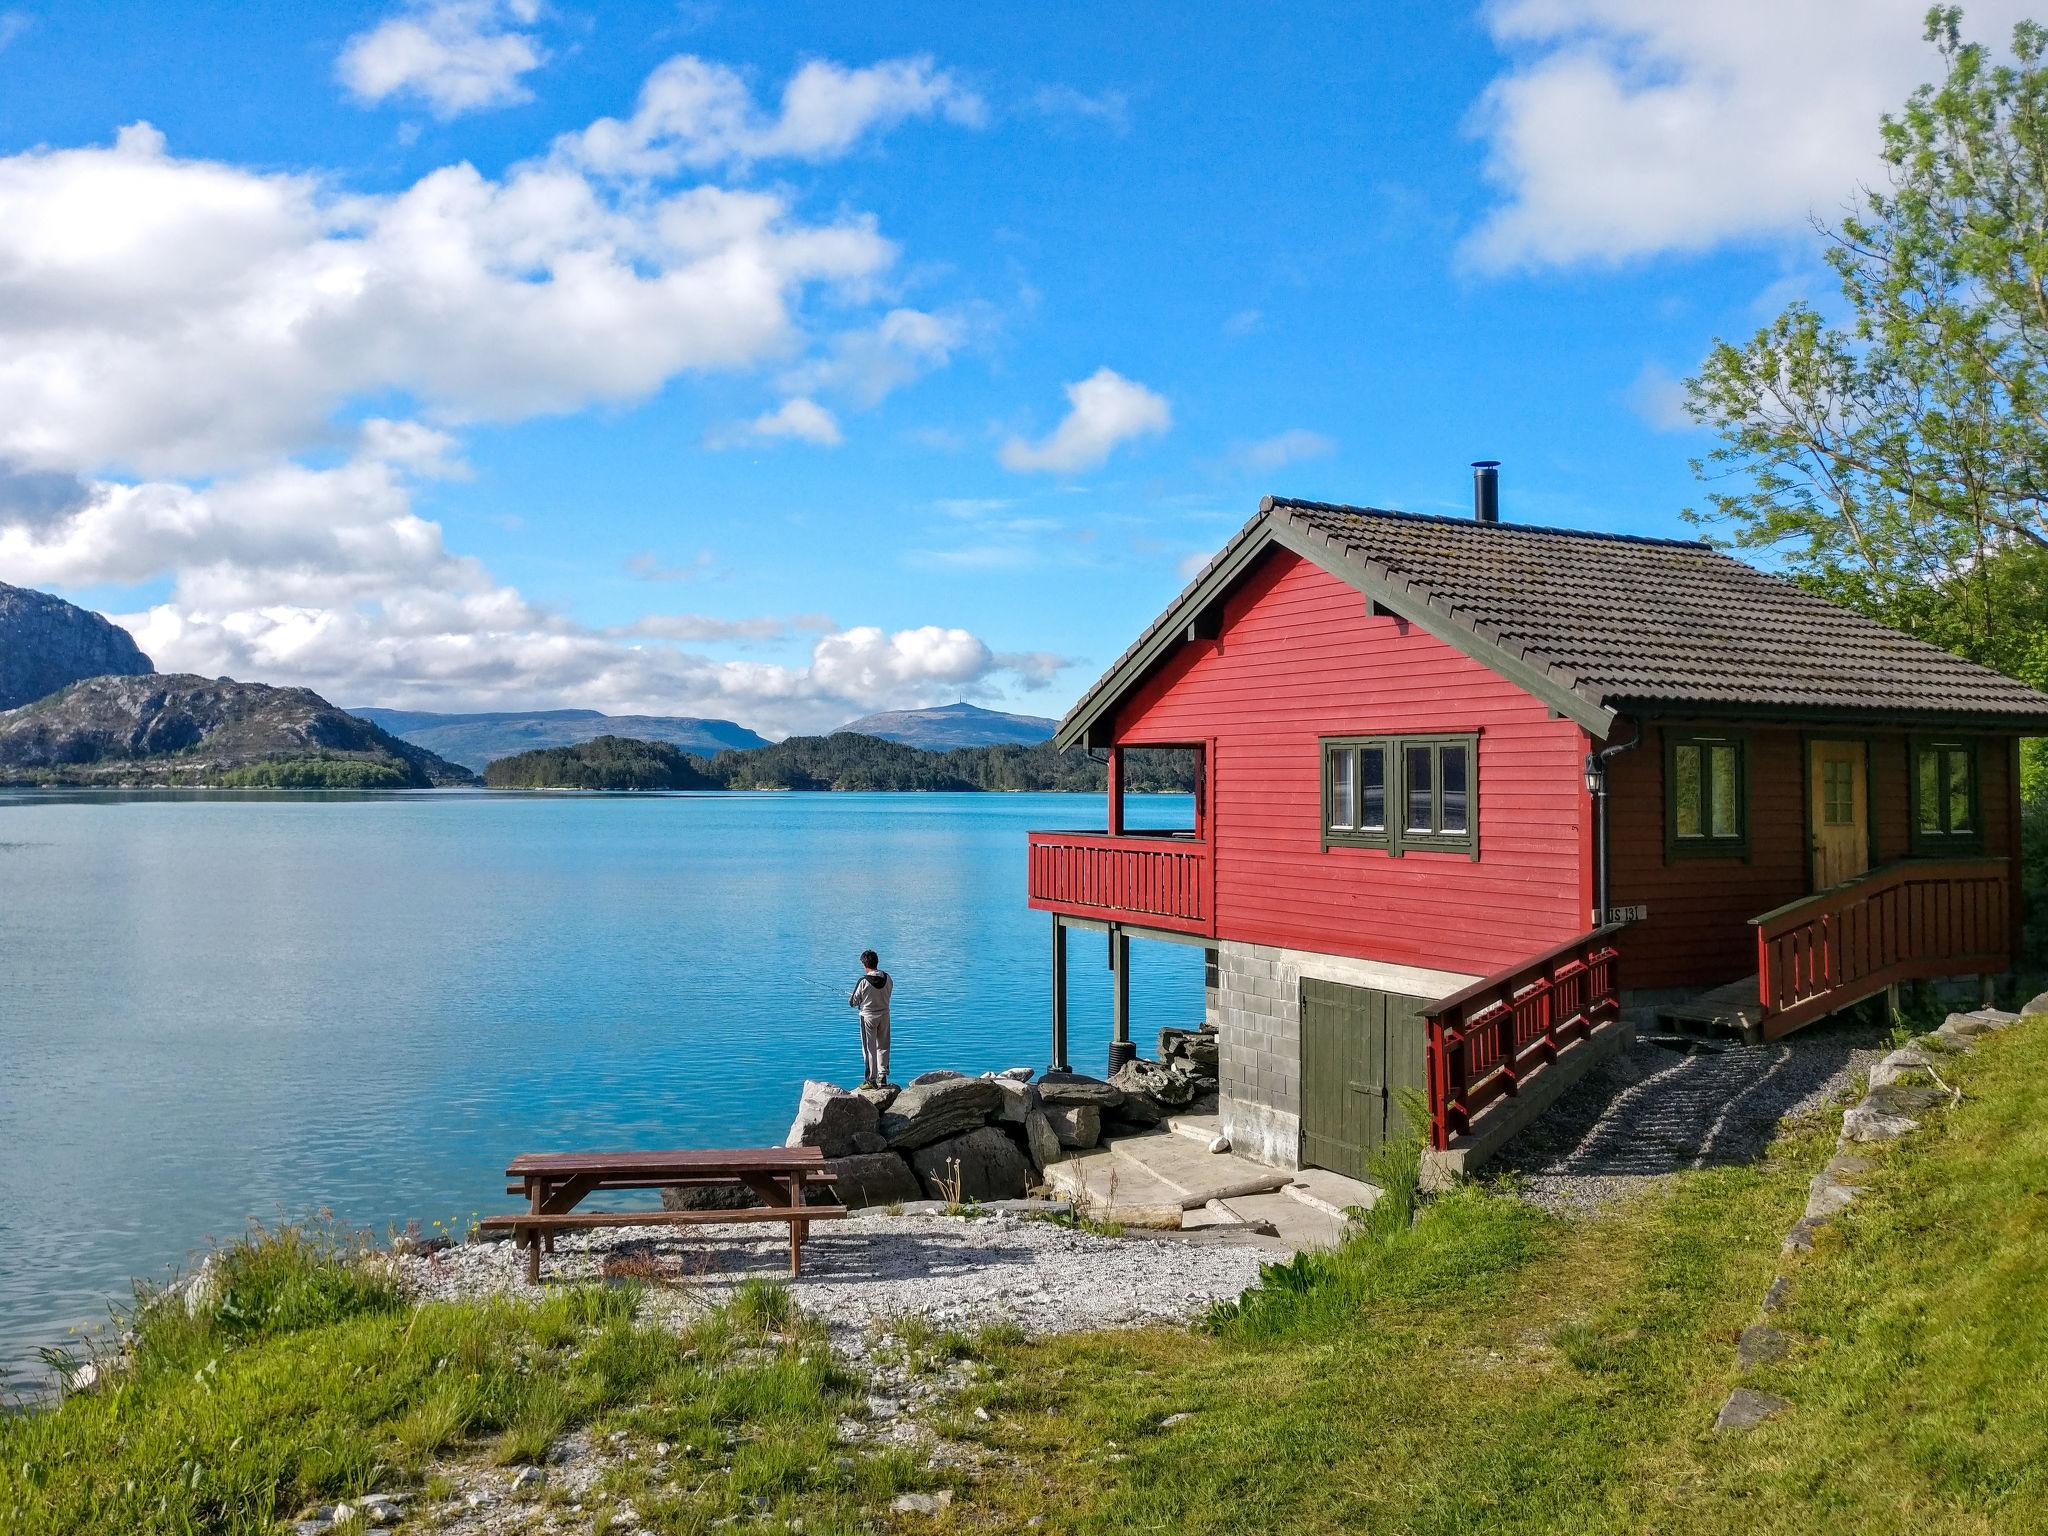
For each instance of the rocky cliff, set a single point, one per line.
(180, 729)
(47, 644)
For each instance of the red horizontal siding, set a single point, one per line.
(1698, 932)
(1300, 658)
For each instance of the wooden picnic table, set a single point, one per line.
(555, 1183)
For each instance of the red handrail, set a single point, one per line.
(1910, 921)
(1158, 880)
(1487, 1040)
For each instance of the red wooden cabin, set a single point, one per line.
(1412, 731)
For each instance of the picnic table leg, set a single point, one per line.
(535, 1198)
(798, 1230)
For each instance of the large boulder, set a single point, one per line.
(829, 1118)
(709, 1197)
(2038, 1005)
(1078, 1126)
(927, 1112)
(1019, 1100)
(873, 1178)
(982, 1165)
(1164, 1086)
(881, 1095)
(1075, 1088)
(1042, 1141)
(936, 1075)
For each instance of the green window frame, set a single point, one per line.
(1401, 792)
(1945, 795)
(1706, 795)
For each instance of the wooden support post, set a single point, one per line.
(1116, 792)
(1059, 996)
(1120, 1048)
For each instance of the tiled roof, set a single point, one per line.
(1622, 622)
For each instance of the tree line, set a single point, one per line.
(845, 761)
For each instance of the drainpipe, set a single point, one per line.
(1596, 786)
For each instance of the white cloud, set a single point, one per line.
(803, 420)
(177, 335)
(1110, 109)
(649, 566)
(1244, 322)
(1193, 563)
(870, 363)
(1658, 396)
(1284, 448)
(1103, 410)
(692, 112)
(170, 316)
(13, 24)
(455, 56)
(1625, 128)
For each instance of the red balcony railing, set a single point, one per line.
(1487, 1040)
(1903, 922)
(1157, 880)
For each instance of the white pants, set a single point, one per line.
(874, 1048)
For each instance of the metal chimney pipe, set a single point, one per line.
(1486, 490)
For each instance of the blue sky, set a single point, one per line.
(782, 362)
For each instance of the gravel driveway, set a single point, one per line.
(951, 1271)
(1654, 1111)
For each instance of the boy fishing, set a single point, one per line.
(871, 997)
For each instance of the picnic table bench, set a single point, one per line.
(555, 1183)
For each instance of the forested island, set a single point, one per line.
(845, 760)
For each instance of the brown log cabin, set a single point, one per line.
(1461, 782)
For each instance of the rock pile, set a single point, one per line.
(948, 1136)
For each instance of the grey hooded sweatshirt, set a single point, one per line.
(871, 997)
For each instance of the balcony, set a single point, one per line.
(1161, 880)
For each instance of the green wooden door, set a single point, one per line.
(1360, 1047)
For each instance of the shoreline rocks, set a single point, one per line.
(946, 1135)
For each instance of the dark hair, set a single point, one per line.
(870, 959)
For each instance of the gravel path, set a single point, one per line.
(951, 1271)
(1654, 1111)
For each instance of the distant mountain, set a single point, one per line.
(185, 730)
(47, 643)
(477, 739)
(954, 725)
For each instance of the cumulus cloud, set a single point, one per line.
(1103, 410)
(804, 421)
(870, 363)
(1624, 128)
(175, 316)
(453, 56)
(693, 112)
(1284, 448)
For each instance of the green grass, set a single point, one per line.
(1483, 1367)
(1495, 1369)
(311, 1380)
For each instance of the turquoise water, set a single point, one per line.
(222, 1006)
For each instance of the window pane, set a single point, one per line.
(1343, 789)
(1724, 820)
(1452, 764)
(1372, 764)
(1685, 791)
(1958, 790)
(1416, 762)
(1929, 811)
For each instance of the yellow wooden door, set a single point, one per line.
(1840, 814)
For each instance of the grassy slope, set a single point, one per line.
(1495, 1370)
(1492, 1369)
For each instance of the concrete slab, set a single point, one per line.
(1201, 1128)
(1199, 1174)
(1293, 1222)
(1105, 1187)
(1331, 1193)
